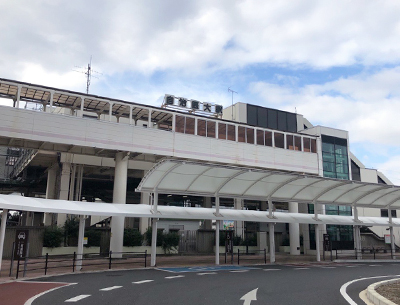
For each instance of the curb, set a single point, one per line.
(375, 297)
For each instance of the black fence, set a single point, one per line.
(365, 253)
(255, 256)
(74, 262)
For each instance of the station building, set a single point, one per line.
(81, 147)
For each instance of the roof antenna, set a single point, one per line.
(88, 72)
(230, 90)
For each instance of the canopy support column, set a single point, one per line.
(2, 233)
(392, 245)
(271, 227)
(357, 237)
(294, 231)
(270, 215)
(153, 241)
(155, 202)
(217, 225)
(317, 242)
(119, 196)
(81, 235)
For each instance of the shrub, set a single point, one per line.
(148, 235)
(170, 241)
(94, 237)
(71, 227)
(52, 237)
(237, 240)
(132, 238)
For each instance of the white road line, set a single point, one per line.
(271, 269)
(344, 287)
(174, 277)
(78, 298)
(142, 282)
(110, 288)
(30, 301)
(328, 267)
(375, 265)
(351, 266)
(301, 268)
(206, 273)
(237, 271)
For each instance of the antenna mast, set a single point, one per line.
(230, 90)
(88, 72)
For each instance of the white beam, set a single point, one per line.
(2, 233)
(81, 235)
(217, 227)
(153, 242)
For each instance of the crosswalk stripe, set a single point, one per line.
(236, 271)
(206, 273)
(78, 298)
(142, 282)
(301, 268)
(174, 277)
(110, 288)
(272, 269)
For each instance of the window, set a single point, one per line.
(202, 128)
(210, 129)
(231, 133)
(268, 138)
(250, 135)
(222, 131)
(279, 140)
(307, 144)
(385, 213)
(260, 137)
(241, 134)
(184, 124)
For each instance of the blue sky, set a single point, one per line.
(335, 62)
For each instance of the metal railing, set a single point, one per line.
(74, 262)
(253, 255)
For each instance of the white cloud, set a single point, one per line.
(365, 105)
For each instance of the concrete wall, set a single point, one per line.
(35, 240)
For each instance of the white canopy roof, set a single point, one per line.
(172, 176)
(12, 202)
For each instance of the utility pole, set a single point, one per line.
(230, 90)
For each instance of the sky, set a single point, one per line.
(335, 62)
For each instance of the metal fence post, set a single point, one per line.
(265, 256)
(373, 250)
(73, 262)
(109, 262)
(45, 264)
(19, 258)
(145, 258)
(355, 251)
(225, 256)
(12, 259)
(232, 257)
(238, 256)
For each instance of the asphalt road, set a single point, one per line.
(271, 285)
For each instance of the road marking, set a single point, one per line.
(301, 268)
(78, 298)
(351, 266)
(236, 271)
(375, 265)
(272, 269)
(344, 287)
(110, 288)
(30, 301)
(142, 282)
(250, 296)
(206, 273)
(174, 277)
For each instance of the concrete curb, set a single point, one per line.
(375, 297)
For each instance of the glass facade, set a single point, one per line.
(335, 165)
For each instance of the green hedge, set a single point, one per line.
(52, 237)
(132, 238)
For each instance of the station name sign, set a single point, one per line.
(191, 105)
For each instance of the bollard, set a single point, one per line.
(45, 264)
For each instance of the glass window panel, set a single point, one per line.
(282, 121)
(231, 132)
(189, 126)
(210, 129)
(180, 124)
(329, 174)
(222, 131)
(201, 128)
(329, 166)
(241, 134)
(341, 150)
(291, 122)
(328, 147)
(260, 137)
(313, 145)
(297, 143)
(289, 141)
(268, 138)
(262, 114)
(252, 114)
(279, 140)
(250, 135)
(272, 119)
(307, 144)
